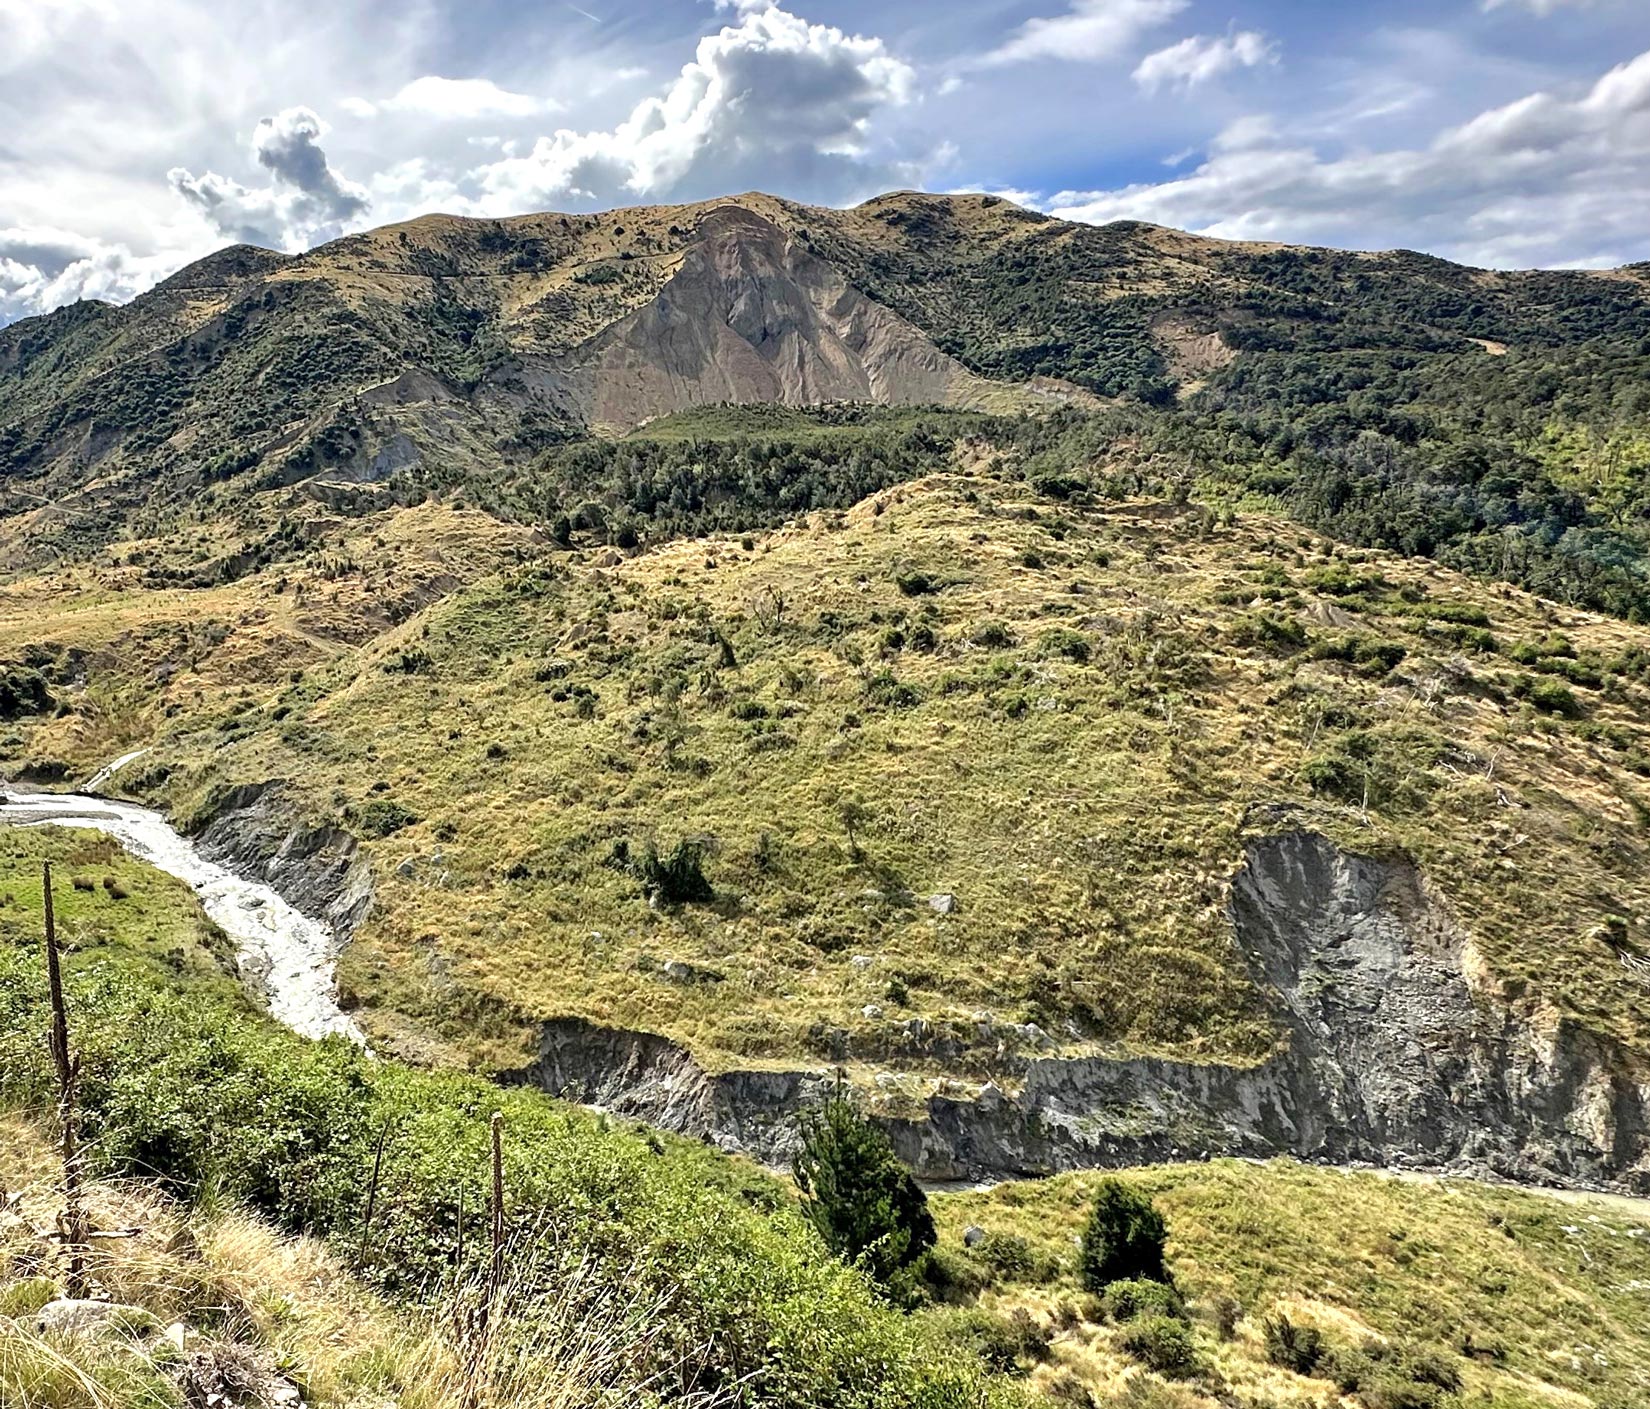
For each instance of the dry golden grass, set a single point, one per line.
(1539, 1303)
(230, 1287)
(1087, 813)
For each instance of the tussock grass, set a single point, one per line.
(1086, 807)
(1535, 1300)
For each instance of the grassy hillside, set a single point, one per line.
(672, 1270)
(439, 349)
(1525, 1299)
(644, 1268)
(1067, 715)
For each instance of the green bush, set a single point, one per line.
(383, 817)
(1130, 1299)
(205, 1099)
(1012, 1258)
(1392, 1376)
(1123, 1239)
(1552, 697)
(864, 1202)
(1062, 641)
(675, 880)
(1008, 1344)
(23, 691)
(1270, 631)
(1160, 1343)
(1297, 1348)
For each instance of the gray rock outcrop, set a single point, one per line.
(1393, 1050)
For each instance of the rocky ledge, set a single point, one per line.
(257, 833)
(1395, 1050)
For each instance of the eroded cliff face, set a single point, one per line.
(751, 316)
(1394, 1049)
(321, 871)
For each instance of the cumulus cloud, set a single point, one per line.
(453, 100)
(1090, 30)
(770, 100)
(1546, 179)
(307, 201)
(1203, 57)
(42, 268)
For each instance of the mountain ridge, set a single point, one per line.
(252, 364)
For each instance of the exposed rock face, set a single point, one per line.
(751, 316)
(1393, 1053)
(318, 870)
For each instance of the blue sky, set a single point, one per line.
(136, 135)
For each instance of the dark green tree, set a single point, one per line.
(1123, 1239)
(866, 1205)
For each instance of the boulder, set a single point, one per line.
(111, 1320)
(943, 904)
(679, 971)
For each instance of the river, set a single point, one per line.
(294, 952)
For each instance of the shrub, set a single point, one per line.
(23, 691)
(1269, 630)
(1124, 1238)
(1013, 1258)
(676, 879)
(408, 662)
(952, 1275)
(864, 1202)
(1392, 1376)
(1297, 1348)
(383, 817)
(1160, 1343)
(1004, 1343)
(206, 1098)
(1552, 697)
(1134, 1297)
(993, 634)
(915, 584)
(888, 690)
(1063, 641)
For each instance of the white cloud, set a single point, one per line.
(1202, 57)
(453, 100)
(1543, 180)
(44, 268)
(1090, 30)
(772, 100)
(308, 201)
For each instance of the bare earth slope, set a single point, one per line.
(456, 343)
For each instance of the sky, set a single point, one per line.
(138, 135)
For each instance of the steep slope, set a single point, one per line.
(984, 785)
(443, 345)
(750, 317)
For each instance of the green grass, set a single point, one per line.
(213, 1103)
(148, 923)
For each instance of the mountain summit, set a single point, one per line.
(451, 341)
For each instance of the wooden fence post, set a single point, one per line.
(68, 1076)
